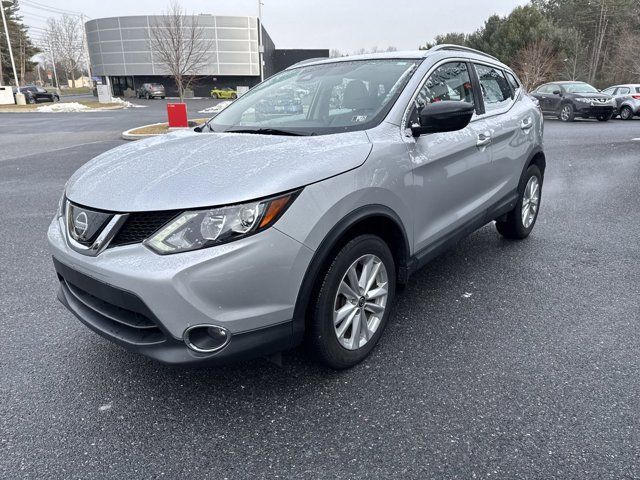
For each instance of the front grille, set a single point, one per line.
(117, 313)
(140, 226)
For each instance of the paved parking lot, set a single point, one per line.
(535, 374)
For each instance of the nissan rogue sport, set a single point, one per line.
(261, 230)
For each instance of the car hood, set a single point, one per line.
(185, 169)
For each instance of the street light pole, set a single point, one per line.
(6, 32)
(260, 45)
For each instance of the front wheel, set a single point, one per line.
(519, 222)
(353, 302)
(147, 96)
(234, 96)
(567, 113)
(214, 96)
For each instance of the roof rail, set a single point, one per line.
(448, 46)
(308, 60)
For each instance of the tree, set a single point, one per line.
(536, 63)
(23, 48)
(64, 37)
(179, 43)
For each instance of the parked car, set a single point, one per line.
(151, 90)
(35, 94)
(627, 100)
(568, 100)
(298, 227)
(227, 92)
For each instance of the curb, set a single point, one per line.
(127, 135)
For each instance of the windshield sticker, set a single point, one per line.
(359, 119)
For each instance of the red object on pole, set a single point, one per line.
(177, 113)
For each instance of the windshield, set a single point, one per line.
(580, 88)
(156, 85)
(319, 99)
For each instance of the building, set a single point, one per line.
(120, 49)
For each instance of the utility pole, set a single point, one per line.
(6, 32)
(86, 47)
(260, 45)
(53, 63)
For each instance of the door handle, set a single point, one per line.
(526, 124)
(484, 139)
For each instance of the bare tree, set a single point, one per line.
(179, 43)
(64, 37)
(538, 61)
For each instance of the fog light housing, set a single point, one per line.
(206, 338)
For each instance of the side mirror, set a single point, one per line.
(557, 92)
(445, 116)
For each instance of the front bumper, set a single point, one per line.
(145, 301)
(594, 110)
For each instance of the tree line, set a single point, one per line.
(596, 41)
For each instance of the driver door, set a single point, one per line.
(451, 170)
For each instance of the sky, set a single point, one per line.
(346, 25)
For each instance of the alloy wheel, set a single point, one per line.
(626, 113)
(566, 113)
(360, 302)
(530, 201)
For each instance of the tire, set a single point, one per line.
(147, 96)
(234, 96)
(626, 113)
(604, 118)
(31, 100)
(513, 226)
(567, 113)
(322, 336)
(162, 98)
(214, 96)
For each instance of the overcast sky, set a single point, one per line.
(346, 25)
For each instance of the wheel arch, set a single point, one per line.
(376, 219)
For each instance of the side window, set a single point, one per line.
(513, 82)
(450, 81)
(495, 88)
(624, 91)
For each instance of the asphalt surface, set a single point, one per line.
(502, 360)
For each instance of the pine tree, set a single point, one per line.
(23, 48)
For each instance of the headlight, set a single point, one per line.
(583, 100)
(197, 229)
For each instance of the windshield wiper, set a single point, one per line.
(267, 131)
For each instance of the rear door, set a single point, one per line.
(510, 120)
(450, 170)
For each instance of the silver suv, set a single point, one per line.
(627, 100)
(261, 230)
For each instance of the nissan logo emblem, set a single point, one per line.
(81, 224)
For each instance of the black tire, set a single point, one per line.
(626, 113)
(321, 335)
(31, 100)
(570, 113)
(214, 96)
(147, 96)
(511, 226)
(604, 118)
(234, 96)
(162, 98)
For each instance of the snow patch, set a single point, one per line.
(104, 408)
(64, 107)
(126, 103)
(216, 108)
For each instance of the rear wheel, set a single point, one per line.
(567, 113)
(353, 302)
(234, 96)
(626, 113)
(214, 96)
(147, 96)
(519, 222)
